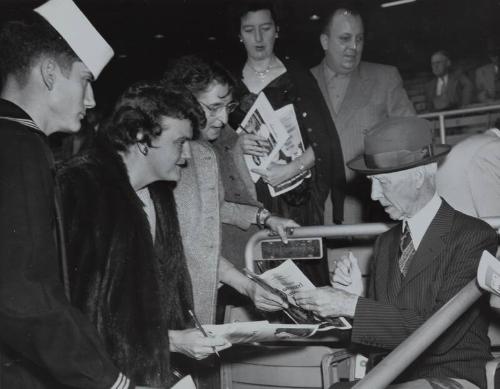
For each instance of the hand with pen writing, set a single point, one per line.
(252, 144)
(194, 344)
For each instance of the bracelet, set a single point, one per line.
(261, 217)
(266, 219)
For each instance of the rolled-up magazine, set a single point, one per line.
(286, 280)
(280, 128)
(488, 273)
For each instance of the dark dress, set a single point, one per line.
(304, 204)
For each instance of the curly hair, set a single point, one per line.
(24, 41)
(196, 74)
(136, 114)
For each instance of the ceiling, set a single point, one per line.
(404, 36)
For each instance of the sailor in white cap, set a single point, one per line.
(48, 61)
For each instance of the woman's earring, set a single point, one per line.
(143, 148)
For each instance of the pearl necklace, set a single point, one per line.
(263, 73)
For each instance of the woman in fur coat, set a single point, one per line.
(127, 269)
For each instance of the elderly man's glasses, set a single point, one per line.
(216, 109)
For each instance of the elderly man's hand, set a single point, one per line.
(347, 275)
(264, 300)
(327, 301)
(279, 225)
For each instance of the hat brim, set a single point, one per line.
(358, 164)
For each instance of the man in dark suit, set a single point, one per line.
(418, 265)
(48, 62)
(448, 90)
(358, 94)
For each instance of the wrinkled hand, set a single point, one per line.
(192, 343)
(264, 300)
(279, 225)
(327, 301)
(253, 145)
(276, 173)
(347, 275)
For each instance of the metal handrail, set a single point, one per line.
(455, 112)
(403, 355)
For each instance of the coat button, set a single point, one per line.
(231, 178)
(309, 129)
(315, 144)
(304, 114)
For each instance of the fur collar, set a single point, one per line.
(134, 291)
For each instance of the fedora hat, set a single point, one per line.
(78, 32)
(397, 144)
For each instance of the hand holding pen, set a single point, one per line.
(213, 342)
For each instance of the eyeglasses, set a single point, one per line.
(214, 110)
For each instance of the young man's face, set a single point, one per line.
(170, 149)
(70, 97)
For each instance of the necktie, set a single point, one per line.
(441, 85)
(406, 251)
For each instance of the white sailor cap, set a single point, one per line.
(78, 32)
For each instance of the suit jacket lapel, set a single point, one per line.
(432, 243)
(319, 72)
(388, 254)
(358, 92)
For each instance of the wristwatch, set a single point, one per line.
(262, 216)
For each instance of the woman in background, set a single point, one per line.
(285, 82)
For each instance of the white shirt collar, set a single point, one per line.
(419, 223)
(494, 131)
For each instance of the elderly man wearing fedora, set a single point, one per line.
(417, 265)
(48, 61)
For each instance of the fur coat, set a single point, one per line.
(132, 289)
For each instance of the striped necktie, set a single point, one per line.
(406, 250)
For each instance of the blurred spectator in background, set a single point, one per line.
(358, 94)
(487, 75)
(469, 177)
(448, 90)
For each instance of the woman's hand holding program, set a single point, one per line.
(253, 145)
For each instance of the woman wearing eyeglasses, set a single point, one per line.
(284, 82)
(200, 193)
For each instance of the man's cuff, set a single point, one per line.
(122, 382)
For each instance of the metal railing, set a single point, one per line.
(441, 115)
(403, 355)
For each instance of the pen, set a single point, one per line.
(200, 328)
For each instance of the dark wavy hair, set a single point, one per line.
(136, 114)
(196, 74)
(24, 41)
(242, 7)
